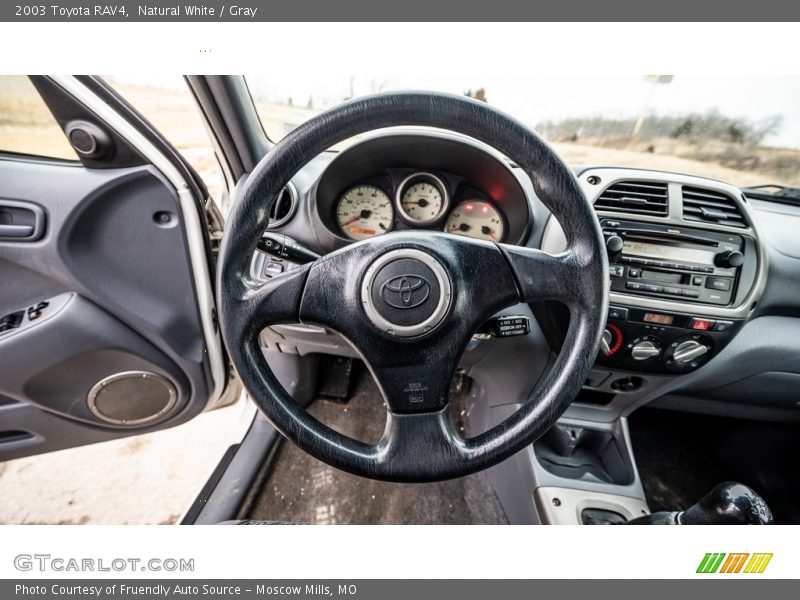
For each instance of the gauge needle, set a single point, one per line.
(351, 221)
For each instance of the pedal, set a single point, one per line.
(335, 376)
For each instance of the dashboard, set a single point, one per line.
(694, 280)
(421, 199)
(402, 181)
(686, 269)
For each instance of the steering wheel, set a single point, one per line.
(409, 302)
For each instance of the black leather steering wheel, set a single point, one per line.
(410, 301)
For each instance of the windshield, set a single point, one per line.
(744, 130)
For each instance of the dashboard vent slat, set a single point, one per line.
(284, 208)
(639, 197)
(711, 206)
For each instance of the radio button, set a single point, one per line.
(649, 287)
(697, 280)
(707, 269)
(731, 258)
(673, 291)
(718, 283)
(632, 285)
(690, 293)
(634, 272)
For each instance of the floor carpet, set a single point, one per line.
(301, 489)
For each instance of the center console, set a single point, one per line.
(670, 263)
(686, 270)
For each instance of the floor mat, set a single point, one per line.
(301, 489)
(682, 456)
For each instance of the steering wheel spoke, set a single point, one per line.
(414, 444)
(409, 312)
(415, 377)
(544, 276)
(273, 302)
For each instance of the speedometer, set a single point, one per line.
(476, 219)
(364, 211)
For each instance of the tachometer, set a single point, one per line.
(364, 211)
(477, 219)
(421, 198)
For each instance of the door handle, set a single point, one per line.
(20, 221)
(16, 231)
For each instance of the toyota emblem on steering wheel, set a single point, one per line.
(406, 291)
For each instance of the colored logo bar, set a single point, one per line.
(738, 562)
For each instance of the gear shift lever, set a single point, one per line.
(727, 504)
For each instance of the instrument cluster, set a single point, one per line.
(414, 200)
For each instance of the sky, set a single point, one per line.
(534, 99)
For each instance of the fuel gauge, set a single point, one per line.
(477, 219)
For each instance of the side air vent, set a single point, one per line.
(711, 206)
(637, 197)
(284, 208)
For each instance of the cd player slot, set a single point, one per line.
(669, 238)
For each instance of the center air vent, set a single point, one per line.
(636, 197)
(711, 206)
(284, 208)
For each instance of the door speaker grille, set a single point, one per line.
(132, 398)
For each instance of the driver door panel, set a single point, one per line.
(100, 334)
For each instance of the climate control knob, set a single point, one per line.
(687, 351)
(645, 349)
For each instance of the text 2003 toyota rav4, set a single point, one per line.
(418, 291)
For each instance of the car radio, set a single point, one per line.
(683, 264)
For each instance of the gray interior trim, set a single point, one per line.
(563, 506)
(194, 229)
(293, 199)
